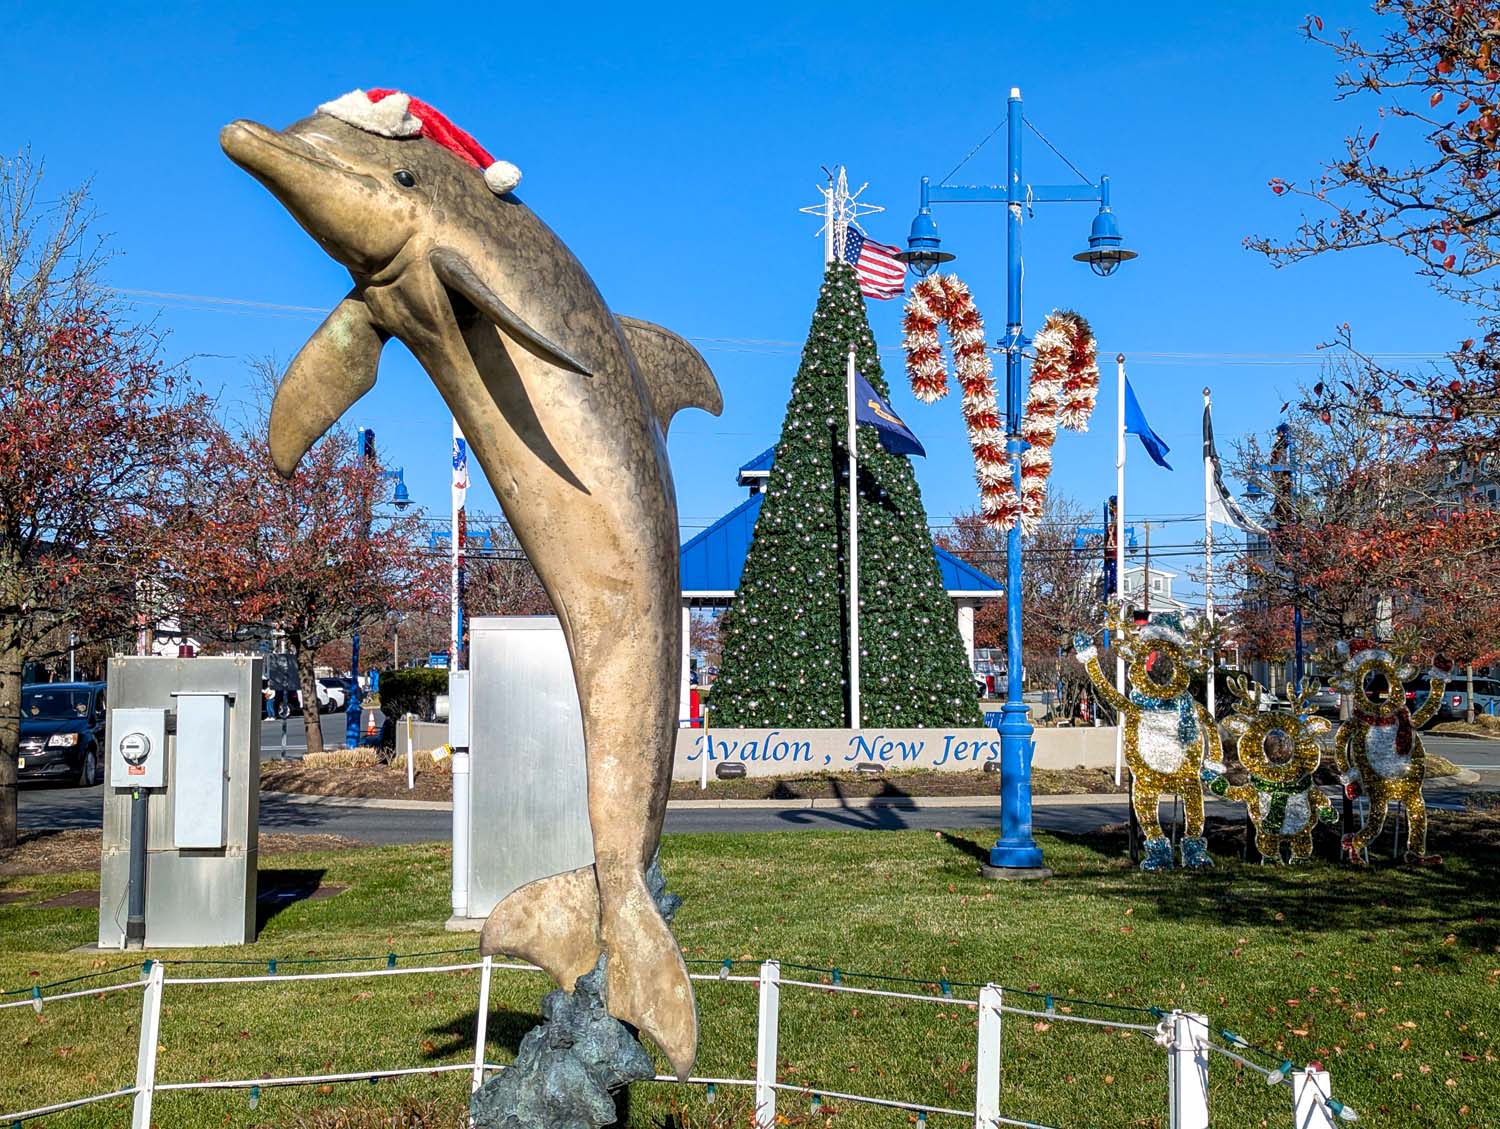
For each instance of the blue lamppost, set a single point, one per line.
(1016, 853)
(400, 498)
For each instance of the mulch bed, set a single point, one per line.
(365, 781)
(55, 852)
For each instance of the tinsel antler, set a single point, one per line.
(1064, 386)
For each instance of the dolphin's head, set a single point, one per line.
(362, 196)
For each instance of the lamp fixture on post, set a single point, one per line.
(1015, 854)
(401, 498)
(1106, 250)
(923, 252)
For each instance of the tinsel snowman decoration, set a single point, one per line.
(1168, 735)
(1379, 750)
(1283, 800)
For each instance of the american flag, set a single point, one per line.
(881, 274)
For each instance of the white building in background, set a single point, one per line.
(1160, 580)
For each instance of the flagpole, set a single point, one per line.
(1119, 551)
(829, 215)
(853, 553)
(455, 561)
(1208, 558)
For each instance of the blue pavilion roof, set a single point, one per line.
(713, 561)
(761, 461)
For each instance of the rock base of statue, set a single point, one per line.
(570, 1070)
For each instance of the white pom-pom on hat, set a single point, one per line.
(502, 177)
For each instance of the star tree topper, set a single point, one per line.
(839, 209)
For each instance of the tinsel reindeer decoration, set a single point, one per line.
(1168, 735)
(1379, 750)
(1283, 800)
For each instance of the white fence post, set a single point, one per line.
(145, 1059)
(1187, 1071)
(1310, 1094)
(988, 1063)
(481, 1025)
(766, 1044)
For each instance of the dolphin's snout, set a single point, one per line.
(242, 139)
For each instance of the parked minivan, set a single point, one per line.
(1455, 705)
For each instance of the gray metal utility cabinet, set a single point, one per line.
(527, 813)
(187, 733)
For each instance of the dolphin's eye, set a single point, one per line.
(405, 179)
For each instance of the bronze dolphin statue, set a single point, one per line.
(566, 407)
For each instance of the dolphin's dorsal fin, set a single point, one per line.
(335, 368)
(458, 274)
(675, 373)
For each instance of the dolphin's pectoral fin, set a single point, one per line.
(647, 982)
(335, 368)
(552, 922)
(458, 274)
(675, 373)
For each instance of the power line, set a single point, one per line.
(212, 303)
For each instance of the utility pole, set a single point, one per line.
(1146, 576)
(352, 706)
(456, 561)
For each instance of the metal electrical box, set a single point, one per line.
(137, 748)
(201, 814)
(528, 787)
(460, 705)
(202, 817)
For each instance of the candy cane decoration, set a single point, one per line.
(944, 298)
(1064, 386)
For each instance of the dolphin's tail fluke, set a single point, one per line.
(552, 922)
(648, 985)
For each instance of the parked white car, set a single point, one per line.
(333, 694)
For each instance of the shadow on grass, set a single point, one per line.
(966, 846)
(1323, 895)
(506, 1028)
(279, 887)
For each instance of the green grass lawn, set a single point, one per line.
(1391, 978)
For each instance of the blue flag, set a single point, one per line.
(871, 408)
(1135, 424)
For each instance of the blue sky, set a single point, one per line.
(672, 145)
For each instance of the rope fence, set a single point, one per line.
(1185, 1037)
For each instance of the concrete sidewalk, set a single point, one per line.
(912, 803)
(853, 803)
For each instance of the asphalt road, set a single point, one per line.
(58, 807)
(296, 736)
(50, 807)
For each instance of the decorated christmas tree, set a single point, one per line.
(785, 638)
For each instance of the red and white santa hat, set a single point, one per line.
(390, 113)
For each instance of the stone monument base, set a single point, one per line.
(571, 1071)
